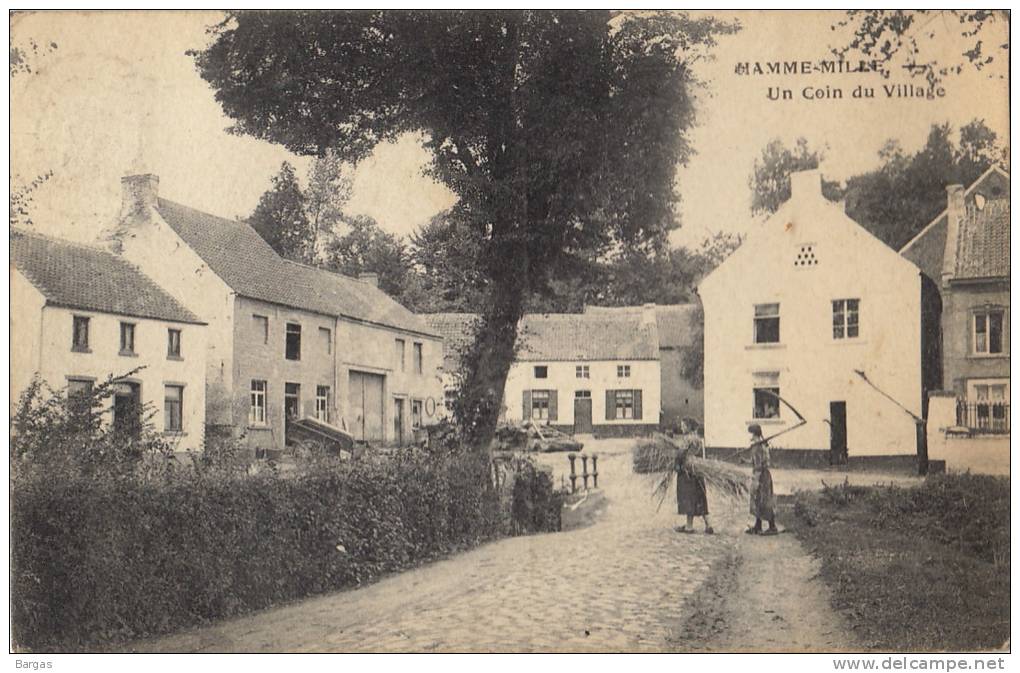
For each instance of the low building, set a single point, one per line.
(679, 328)
(582, 373)
(965, 253)
(807, 307)
(286, 340)
(81, 315)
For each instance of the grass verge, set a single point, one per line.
(914, 569)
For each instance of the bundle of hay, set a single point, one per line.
(657, 457)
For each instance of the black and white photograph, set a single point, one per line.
(574, 331)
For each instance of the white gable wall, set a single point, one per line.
(813, 367)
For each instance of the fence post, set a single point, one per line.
(573, 474)
(595, 470)
(584, 463)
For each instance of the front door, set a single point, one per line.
(398, 420)
(582, 412)
(837, 433)
(291, 408)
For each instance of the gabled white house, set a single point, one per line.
(806, 302)
(80, 315)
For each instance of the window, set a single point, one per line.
(449, 397)
(173, 343)
(845, 318)
(261, 325)
(625, 404)
(990, 400)
(541, 372)
(988, 325)
(416, 407)
(806, 256)
(326, 338)
(766, 323)
(766, 395)
(401, 346)
(293, 351)
(79, 392)
(582, 372)
(623, 371)
(127, 338)
(419, 366)
(322, 403)
(173, 408)
(80, 334)
(539, 405)
(257, 412)
(582, 394)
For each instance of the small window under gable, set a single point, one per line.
(805, 255)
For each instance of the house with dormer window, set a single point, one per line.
(810, 299)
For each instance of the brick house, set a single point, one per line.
(286, 341)
(965, 254)
(81, 315)
(582, 373)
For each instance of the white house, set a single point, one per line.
(582, 373)
(286, 341)
(80, 315)
(809, 300)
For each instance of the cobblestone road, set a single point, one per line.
(618, 585)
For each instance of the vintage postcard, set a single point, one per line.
(446, 331)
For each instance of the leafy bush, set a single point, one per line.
(536, 506)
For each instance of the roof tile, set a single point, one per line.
(983, 245)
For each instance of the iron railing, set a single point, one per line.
(983, 417)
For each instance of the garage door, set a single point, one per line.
(366, 405)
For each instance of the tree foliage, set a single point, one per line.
(906, 38)
(366, 248)
(903, 194)
(329, 189)
(560, 132)
(280, 217)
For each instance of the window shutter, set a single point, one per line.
(527, 406)
(637, 405)
(610, 405)
(552, 405)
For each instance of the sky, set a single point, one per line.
(119, 95)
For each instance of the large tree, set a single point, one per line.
(329, 189)
(366, 248)
(280, 217)
(559, 131)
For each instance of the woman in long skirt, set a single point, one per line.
(763, 500)
(691, 496)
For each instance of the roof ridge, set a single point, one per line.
(177, 204)
(96, 247)
(324, 270)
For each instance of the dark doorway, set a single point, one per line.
(127, 408)
(398, 420)
(582, 412)
(291, 408)
(837, 433)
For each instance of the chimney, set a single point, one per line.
(648, 314)
(955, 210)
(369, 277)
(806, 184)
(138, 193)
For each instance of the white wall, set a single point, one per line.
(644, 376)
(814, 368)
(26, 334)
(57, 362)
(152, 245)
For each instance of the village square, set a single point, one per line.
(506, 332)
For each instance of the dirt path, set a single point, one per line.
(765, 597)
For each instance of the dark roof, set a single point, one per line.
(89, 278)
(982, 249)
(615, 335)
(676, 323)
(238, 255)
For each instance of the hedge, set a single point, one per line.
(96, 561)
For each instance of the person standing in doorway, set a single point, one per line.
(763, 500)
